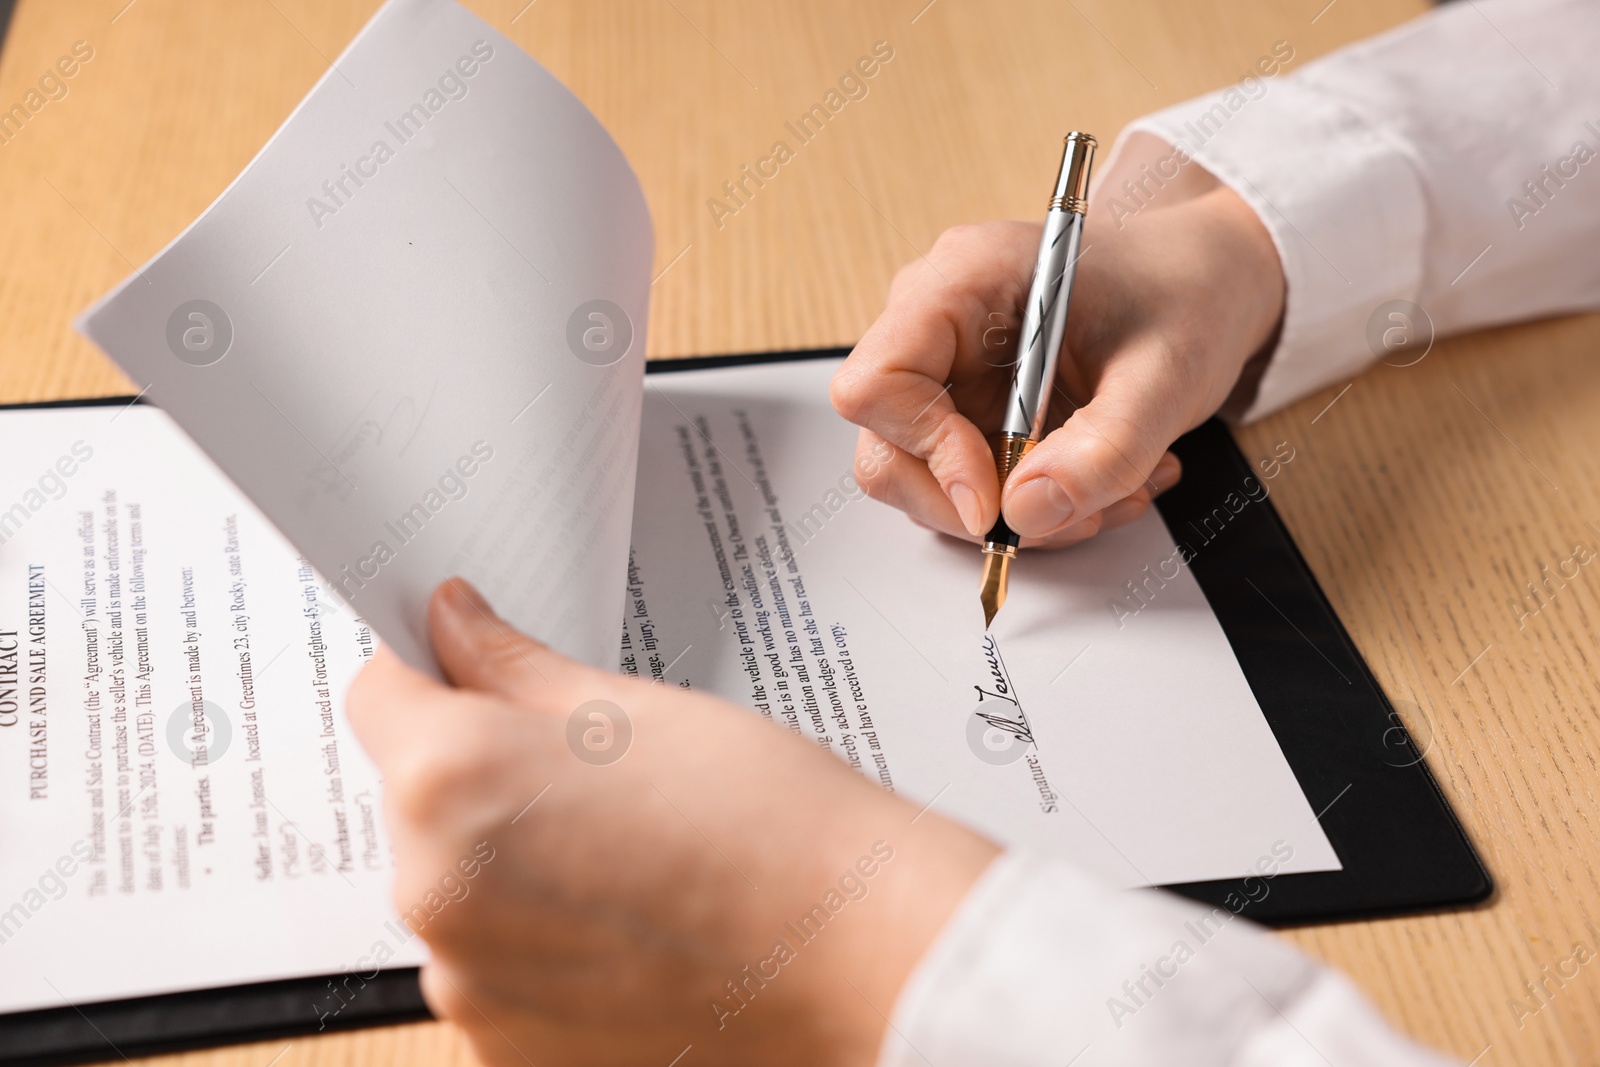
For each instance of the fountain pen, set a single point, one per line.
(1044, 322)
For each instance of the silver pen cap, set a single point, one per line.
(1072, 184)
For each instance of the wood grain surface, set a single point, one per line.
(1425, 499)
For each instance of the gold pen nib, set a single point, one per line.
(996, 572)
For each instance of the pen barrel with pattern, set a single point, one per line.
(1044, 316)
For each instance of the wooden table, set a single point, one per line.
(1427, 497)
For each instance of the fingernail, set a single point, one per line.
(465, 599)
(968, 507)
(1166, 474)
(1124, 511)
(1037, 507)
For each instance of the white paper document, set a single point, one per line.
(1129, 743)
(413, 331)
(406, 344)
(181, 802)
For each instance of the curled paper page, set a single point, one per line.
(412, 331)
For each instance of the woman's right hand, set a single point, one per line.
(1167, 307)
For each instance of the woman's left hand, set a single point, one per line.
(723, 884)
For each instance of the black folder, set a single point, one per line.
(1401, 846)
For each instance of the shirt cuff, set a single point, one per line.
(1343, 204)
(1042, 966)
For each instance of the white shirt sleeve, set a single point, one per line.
(1453, 163)
(1042, 966)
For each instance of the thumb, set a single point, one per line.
(391, 704)
(1102, 453)
(479, 650)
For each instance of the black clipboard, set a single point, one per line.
(1401, 846)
